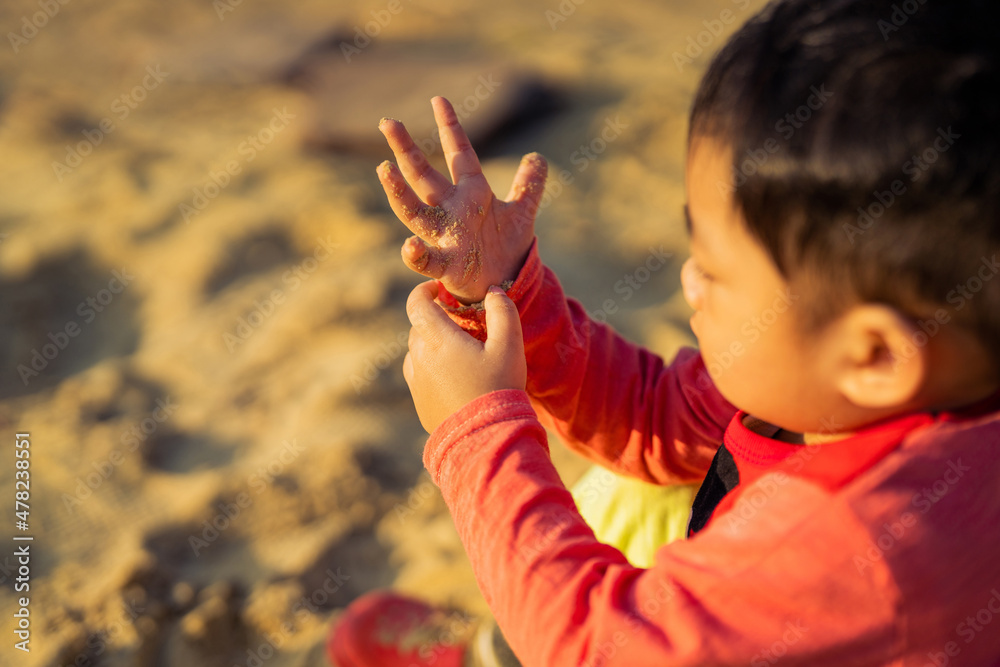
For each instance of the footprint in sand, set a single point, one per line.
(64, 316)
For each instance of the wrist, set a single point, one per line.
(466, 297)
(511, 281)
(471, 316)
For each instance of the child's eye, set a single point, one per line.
(704, 274)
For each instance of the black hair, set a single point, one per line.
(864, 136)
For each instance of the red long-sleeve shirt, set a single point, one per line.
(881, 549)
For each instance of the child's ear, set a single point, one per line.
(883, 358)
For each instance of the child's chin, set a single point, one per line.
(693, 323)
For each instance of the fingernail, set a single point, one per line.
(496, 289)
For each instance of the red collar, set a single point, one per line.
(832, 464)
(835, 464)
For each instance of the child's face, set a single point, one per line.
(745, 311)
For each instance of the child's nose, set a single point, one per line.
(691, 284)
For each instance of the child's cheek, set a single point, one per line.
(692, 285)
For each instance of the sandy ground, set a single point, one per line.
(201, 296)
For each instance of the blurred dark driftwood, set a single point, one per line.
(353, 88)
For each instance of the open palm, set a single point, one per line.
(464, 235)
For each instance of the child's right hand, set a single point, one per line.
(465, 237)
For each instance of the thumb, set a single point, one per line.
(503, 324)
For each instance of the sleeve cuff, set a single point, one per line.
(472, 317)
(448, 438)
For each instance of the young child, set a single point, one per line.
(842, 411)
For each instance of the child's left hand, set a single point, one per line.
(447, 368)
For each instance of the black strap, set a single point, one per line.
(722, 478)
